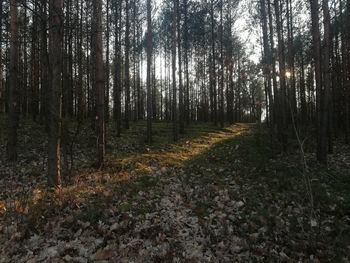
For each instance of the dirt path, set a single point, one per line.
(217, 197)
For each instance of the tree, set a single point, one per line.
(316, 39)
(117, 64)
(186, 55)
(213, 95)
(11, 150)
(149, 66)
(127, 66)
(322, 144)
(99, 81)
(55, 94)
(80, 51)
(267, 63)
(221, 104)
(44, 62)
(282, 77)
(173, 66)
(2, 91)
(181, 94)
(107, 62)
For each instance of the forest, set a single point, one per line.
(174, 131)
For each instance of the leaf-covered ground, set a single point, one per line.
(218, 195)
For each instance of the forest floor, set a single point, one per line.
(217, 195)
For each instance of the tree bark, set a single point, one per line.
(186, 47)
(173, 62)
(221, 105)
(267, 60)
(322, 147)
(149, 66)
(44, 66)
(179, 48)
(117, 74)
(316, 38)
(55, 105)
(11, 150)
(127, 66)
(282, 75)
(99, 82)
(107, 62)
(2, 90)
(214, 112)
(80, 92)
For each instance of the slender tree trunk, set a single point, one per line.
(80, 91)
(267, 62)
(99, 81)
(55, 105)
(317, 60)
(35, 67)
(44, 65)
(181, 93)
(2, 90)
(107, 62)
(275, 114)
(67, 62)
(291, 59)
(347, 70)
(222, 117)
(117, 73)
(139, 61)
(127, 66)
(345, 49)
(175, 115)
(303, 106)
(213, 67)
(11, 150)
(149, 66)
(24, 89)
(187, 75)
(323, 146)
(154, 88)
(282, 75)
(134, 62)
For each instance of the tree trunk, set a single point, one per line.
(2, 90)
(80, 92)
(24, 75)
(213, 68)
(173, 62)
(181, 94)
(44, 65)
(55, 105)
(127, 66)
(322, 147)
(149, 66)
(186, 47)
(99, 81)
(11, 150)
(107, 63)
(317, 60)
(275, 99)
(282, 75)
(221, 69)
(35, 66)
(117, 74)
